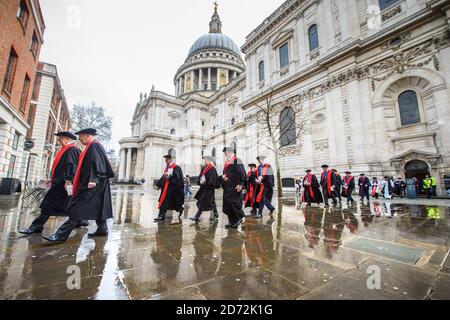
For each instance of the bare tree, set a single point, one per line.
(282, 125)
(92, 116)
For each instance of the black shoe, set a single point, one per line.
(30, 230)
(159, 219)
(195, 219)
(98, 233)
(214, 217)
(271, 212)
(258, 216)
(237, 224)
(54, 238)
(180, 213)
(228, 226)
(83, 223)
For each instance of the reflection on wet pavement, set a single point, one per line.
(299, 254)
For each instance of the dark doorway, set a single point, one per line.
(418, 169)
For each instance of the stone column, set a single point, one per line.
(200, 85)
(122, 164)
(128, 170)
(209, 78)
(218, 79)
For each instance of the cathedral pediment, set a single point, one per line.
(415, 154)
(282, 37)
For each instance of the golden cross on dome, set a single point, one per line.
(216, 5)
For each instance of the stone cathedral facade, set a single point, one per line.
(373, 76)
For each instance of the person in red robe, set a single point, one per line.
(311, 189)
(63, 172)
(328, 183)
(250, 195)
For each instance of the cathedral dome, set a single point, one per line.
(215, 41)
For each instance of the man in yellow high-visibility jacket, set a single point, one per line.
(427, 186)
(434, 186)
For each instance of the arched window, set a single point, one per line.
(172, 131)
(233, 146)
(261, 71)
(213, 152)
(284, 55)
(409, 108)
(233, 121)
(288, 136)
(172, 153)
(386, 3)
(313, 37)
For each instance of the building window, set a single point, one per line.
(36, 87)
(386, 3)
(409, 108)
(284, 55)
(15, 143)
(31, 116)
(313, 37)
(172, 132)
(25, 93)
(261, 71)
(233, 121)
(11, 167)
(288, 136)
(34, 45)
(10, 72)
(213, 152)
(23, 13)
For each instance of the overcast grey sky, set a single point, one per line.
(108, 51)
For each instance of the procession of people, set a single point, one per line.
(79, 188)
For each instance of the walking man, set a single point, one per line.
(364, 187)
(311, 189)
(91, 190)
(232, 182)
(250, 195)
(208, 182)
(349, 186)
(63, 172)
(264, 189)
(172, 189)
(328, 183)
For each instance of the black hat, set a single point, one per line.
(374, 178)
(252, 165)
(261, 158)
(362, 174)
(228, 149)
(309, 170)
(348, 172)
(66, 134)
(325, 166)
(168, 156)
(92, 132)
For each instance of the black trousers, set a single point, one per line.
(67, 227)
(266, 203)
(326, 197)
(337, 192)
(365, 194)
(39, 222)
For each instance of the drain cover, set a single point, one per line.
(401, 253)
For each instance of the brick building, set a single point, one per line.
(48, 114)
(21, 37)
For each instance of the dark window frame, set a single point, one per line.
(261, 71)
(288, 130)
(384, 4)
(10, 74)
(25, 94)
(284, 60)
(313, 37)
(409, 112)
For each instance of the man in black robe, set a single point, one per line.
(91, 189)
(250, 188)
(172, 190)
(311, 189)
(232, 182)
(364, 187)
(264, 189)
(63, 172)
(208, 181)
(339, 184)
(349, 186)
(328, 183)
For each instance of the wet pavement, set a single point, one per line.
(302, 253)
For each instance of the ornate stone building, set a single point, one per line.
(373, 76)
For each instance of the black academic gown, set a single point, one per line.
(55, 200)
(312, 192)
(364, 186)
(207, 193)
(350, 187)
(175, 193)
(268, 182)
(95, 203)
(232, 200)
